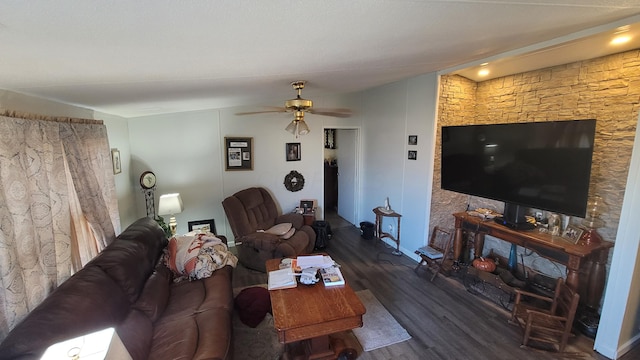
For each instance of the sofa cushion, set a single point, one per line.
(131, 257)
(155, 295)
(195, 308)
(204, 335)
(136, 333)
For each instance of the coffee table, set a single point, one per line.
(305, 316)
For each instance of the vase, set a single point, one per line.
(513, 258)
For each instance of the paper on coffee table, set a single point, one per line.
(318, 261)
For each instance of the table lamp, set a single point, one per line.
(170, 204)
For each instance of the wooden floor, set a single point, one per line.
(443, 318)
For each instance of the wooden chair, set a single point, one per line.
(437, 252)
(550, 323)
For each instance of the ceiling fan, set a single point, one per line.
(298, 106)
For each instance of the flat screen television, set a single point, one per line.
(540, 165)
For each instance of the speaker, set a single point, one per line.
(514, 214)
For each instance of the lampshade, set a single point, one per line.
(297, 127)
(303, 129)
(291, 127)
(170, 204)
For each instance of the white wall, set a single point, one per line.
(186, 152)
(391, 113)
(619, 326)
(116, 131)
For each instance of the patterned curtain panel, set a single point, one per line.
(39, 248)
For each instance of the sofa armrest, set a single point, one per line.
(260, 240)
(223, 238)
(294, 218)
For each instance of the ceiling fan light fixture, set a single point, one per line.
(291, 127)
(303, 129)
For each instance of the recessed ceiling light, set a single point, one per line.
(620, 39)
(483, 72)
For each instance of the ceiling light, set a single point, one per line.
(303, 129)
(291, 127)
(621, 35)
(483, 72)
(620, 39)
(297, 127)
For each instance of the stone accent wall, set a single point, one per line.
(606, 89)
(457, 105)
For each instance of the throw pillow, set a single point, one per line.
(279, 229)
(288, 234)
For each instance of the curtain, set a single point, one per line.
(59, 207)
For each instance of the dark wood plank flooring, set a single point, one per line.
(444, 320)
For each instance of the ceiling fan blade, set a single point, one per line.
(341, 113)
(270, 109)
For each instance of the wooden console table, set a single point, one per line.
(586, 264)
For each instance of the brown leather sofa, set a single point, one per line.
(254, 209)
(126, 287)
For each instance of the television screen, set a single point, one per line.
(541, 165)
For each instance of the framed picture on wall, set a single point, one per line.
(117, 163)
(293, 152)
(413, 155)
(203, 225)
(239, 153)
(413, 139)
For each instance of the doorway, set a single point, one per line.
(341, 174)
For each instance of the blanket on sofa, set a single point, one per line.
(197, 255)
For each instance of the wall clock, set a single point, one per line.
(148, 180)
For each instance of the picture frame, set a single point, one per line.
(413, 140)
(238, 153)
(293, 151)
(307, 206)
(203, 225)
(412, 155)
(116, 161)
(572, 233)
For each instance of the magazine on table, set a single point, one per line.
(332, 276)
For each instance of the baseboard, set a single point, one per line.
(627, 346)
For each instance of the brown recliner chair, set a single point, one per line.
(253, 209)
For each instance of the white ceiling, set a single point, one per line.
(142, 57)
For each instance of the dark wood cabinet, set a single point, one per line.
(330, 187)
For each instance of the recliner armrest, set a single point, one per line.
(260, 240)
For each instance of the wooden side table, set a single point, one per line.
(309, 218)
(380, 214)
